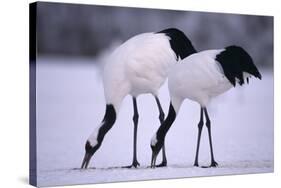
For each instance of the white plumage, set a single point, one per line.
(140, 65)
(200, 77)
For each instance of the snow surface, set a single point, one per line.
(70, 104)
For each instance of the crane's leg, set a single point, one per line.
(161, 119)
(208, 124)
(135, 120)
(200, 126)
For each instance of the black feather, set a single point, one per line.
(179, 42)
(234, 61)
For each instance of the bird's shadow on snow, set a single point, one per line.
(222, 165)
(112, 168)
(243, 164)
(225, 165)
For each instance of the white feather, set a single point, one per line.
(153, 140)
(138, 66)
(93, 137)
(198, 77)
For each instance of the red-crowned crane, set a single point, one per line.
(200, 77)
(138, 66)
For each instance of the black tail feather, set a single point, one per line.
(235, 61)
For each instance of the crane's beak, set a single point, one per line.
(89, 152)
(86, 160)
(155, 153)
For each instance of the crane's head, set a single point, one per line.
(156, 145)
(90, 150)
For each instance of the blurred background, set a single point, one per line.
(89, 31)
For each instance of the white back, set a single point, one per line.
(198, 77)
(140, 65)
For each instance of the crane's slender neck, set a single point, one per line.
(164, 128)
(108, 121)
(110, 114)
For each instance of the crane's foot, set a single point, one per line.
(135, 164)
(195, 164)
(163, 164)
(214, 164)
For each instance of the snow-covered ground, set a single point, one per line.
(70, 104)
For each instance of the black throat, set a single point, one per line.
(164, 128)
(107, 123)
(179, 42)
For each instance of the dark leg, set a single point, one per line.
(161, 119)
(135, 120)
(208, 124)
(200, 126)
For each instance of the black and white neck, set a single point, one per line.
(159, 137)
(109, 118)
(179, 42)
(94, 141)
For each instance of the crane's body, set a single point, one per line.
(201, 77)
(140, 65)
